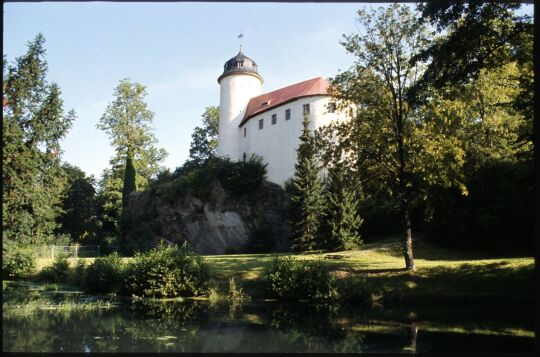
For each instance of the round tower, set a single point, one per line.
(239, 83)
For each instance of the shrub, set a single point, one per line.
(78, 274)
(17, 261)
(166, 272)
(104, 274)
(236, 177)
(287, 278)
(58, 272)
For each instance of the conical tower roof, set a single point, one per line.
(240, 64)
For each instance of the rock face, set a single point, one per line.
(217, 224)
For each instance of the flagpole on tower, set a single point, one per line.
(240, 36)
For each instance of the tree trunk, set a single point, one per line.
(407, 241)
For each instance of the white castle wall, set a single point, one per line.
(277, 143)
(236, 91)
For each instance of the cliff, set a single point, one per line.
(213, 220)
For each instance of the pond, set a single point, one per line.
(45, 319)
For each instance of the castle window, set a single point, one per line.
(244, 156)
(287, 114)
(245, 132)
(306, 109)
(261, 123)
(274, 119)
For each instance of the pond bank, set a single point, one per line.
(375, 274)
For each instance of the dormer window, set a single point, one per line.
(265, 104)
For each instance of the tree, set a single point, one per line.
(341, 223)
(129, 180)
(204, 139)
(78, 205)
(307, 197)
(479, 36)
(126, 120)
(34, 123)
(393, 146)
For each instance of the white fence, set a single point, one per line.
(71, 251)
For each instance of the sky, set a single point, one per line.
(177, 50)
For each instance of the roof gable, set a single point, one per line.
(265, 102)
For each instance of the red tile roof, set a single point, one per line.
(265, 102)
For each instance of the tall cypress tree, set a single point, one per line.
(129, 179)
(341, 224)
(307, 196)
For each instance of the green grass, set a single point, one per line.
(441, 276)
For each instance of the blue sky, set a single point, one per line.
(177, 50)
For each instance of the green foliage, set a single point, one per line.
(166, 272)
(204, 139)
(33, 124)
(129, 179)
(307, 201)
(78, 205)
(341, 224)
(478, 36)
(496, 216)
(126, 120)
(104, 274)
(58, 272)
(236, 177)
(17, 261)
(287, 278)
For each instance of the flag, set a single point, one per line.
(241, 35)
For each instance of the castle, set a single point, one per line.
(268, 125)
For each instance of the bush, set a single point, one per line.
(17, 261)
(104, 275)
(78, 274)
(287, 278)
(236, 177)
(166, 272)
(58, 272)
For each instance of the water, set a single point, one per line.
(34, 321)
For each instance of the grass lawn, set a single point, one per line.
(442, 275)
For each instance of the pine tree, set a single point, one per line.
(34, 123)
(307, 198)
(341, 224)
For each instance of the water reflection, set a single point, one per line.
(62, 321)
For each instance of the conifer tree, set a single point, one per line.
(307, 198)
(34, 122)
(340, 226)
(129, 179)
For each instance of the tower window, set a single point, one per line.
(287, 114)
(244, 157)
(245, 132)
(261, 123)
(240, 64)
(306, 109)
(274, 119)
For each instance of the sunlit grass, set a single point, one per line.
(443, 275)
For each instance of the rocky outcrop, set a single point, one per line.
(217, 224)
